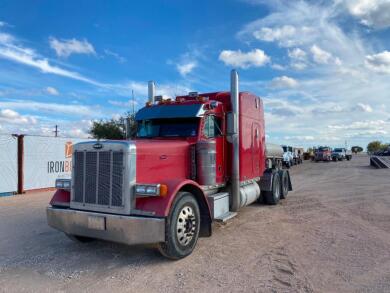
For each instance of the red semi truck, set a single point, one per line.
(197, 159)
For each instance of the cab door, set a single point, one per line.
(213, 129)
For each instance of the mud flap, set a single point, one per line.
(266, 181)
(289, 181)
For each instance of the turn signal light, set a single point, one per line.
(163, 190)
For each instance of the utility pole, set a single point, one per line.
(132, 98)
(56, 131)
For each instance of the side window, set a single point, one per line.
(212, 126)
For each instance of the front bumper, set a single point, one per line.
(122, 229)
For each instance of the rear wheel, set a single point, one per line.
(181, 228)
(273, 197)
(283, 184)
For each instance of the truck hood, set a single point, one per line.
(159, 160)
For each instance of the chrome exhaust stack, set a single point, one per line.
(151, 91)
(235, 140)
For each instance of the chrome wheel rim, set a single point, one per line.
(186, 225)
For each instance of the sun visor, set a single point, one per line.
(170, 111)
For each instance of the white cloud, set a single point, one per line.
(275, 34)
(123, 104)
(6, 38)
(65, 48)
(372, 13)
(297, 54)
(118, 57)
(379, 62)
(298, 58)
(254, 58)
(278, 66)
(11, 49)
(285, 36)
(41, 107)
(284, 82)
(12, 117)
(300, 138)
(186, 68)
(340, 92)
(52, 91)
(320, 56)
(363, 107)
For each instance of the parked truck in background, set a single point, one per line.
(323, 153)
(196, 159)
(348, 154)
(288, 157)
(339, 154)
(297, 155)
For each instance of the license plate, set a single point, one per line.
(97, 223)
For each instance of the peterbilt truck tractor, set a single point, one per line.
(196, 159)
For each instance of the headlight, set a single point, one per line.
(140, 189)
(151, 190)
(63, 184)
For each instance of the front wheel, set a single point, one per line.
(181, 228)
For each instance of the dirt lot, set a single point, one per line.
(332, 234)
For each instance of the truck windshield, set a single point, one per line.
(173, 127)
(285, 149)
(338, 150)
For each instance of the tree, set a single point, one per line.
(356, 149)
(375, 146)
(114, 128)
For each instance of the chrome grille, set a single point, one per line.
(98, 178)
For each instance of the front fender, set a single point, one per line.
(161, 205)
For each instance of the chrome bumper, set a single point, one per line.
(116, 228)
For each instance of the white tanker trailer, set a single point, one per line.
(274, 154)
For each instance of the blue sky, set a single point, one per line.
(322, 67)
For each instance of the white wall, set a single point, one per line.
(8, 163)
(45, 161)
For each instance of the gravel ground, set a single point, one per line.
(332, 234)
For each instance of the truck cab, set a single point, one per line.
(196, 159)
(288, 157)
(339, 154)
(323, 153)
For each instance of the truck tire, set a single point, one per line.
(81, 239)
(273, 197)
(181, 228)
(283, 184)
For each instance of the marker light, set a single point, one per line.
(63, 184)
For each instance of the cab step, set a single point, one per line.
(219, 206)
(226, 217)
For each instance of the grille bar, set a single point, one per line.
(99, 178)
